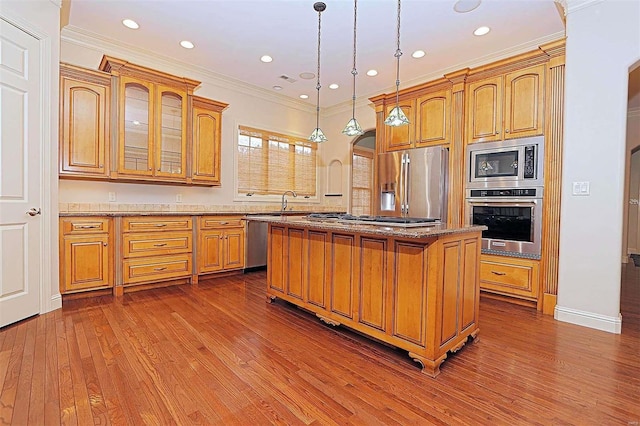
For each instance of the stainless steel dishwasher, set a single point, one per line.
(256, 244)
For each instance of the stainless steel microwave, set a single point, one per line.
(510, 163)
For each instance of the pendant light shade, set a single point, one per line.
(317, 135)
(353, 127)
(397, 117)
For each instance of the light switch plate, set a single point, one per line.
(580, 188)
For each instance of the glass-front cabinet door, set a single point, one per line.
(171, 136)
(135, 127)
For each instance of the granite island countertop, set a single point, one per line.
(431, 230)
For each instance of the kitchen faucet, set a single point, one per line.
(284, 200)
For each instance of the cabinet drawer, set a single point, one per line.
(511, 276)
(85, 225)
(212, 222)
(156, 268)
(158, 243)
(151, 223)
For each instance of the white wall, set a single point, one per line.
(603, 41)
(41, 18)
(247, 106)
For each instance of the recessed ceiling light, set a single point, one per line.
(372, 73)
(418, 54)
(130, 23)
(307, 75)
(464, 6)
(266, 59)
(304, 96)
(482, 31)
(277, 87)
(333, 86)
(186, 44)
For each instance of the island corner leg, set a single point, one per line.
(429, 367)
(475, 336)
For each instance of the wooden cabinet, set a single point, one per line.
(506, 106)
(152, 129)
(86, 254)
(433, 119)
(84, 122)
(220, 244)
(156, 249)
(419, 294)
(510, 276)
(401, 137)
(207, 131)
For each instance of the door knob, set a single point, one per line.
(33, 212)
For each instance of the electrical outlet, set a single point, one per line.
(112, 196)
(178, 198)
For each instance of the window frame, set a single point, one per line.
(241, 197)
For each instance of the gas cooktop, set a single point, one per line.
(375, 220)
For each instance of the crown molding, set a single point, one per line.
(77, 36)
(575, 5)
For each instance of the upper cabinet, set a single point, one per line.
(429, 117)
(132, 123)
(401, 137)
(506, 106)
(433, 119)
(152, 121)
(84, 122)
(207, 131)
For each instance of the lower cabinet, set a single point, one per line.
(220, 244)
(156, 248)
(86, 254)
(510, 276)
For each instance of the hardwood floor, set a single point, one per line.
(218, 354)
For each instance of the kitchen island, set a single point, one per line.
(415, 288)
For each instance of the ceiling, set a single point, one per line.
(230, 36)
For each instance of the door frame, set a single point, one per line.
(49, 292)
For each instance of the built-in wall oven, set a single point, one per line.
(512, 217)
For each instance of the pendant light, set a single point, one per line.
(353, 127)
(397, 117)
(317, 135)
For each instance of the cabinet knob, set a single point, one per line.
(497, 132)
(101, 165)
(150, 168)
(506, 131)
(105, 244)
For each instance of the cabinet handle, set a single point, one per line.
(498, 273)
(160, 245)
(224, 223)
(160, 269)
(160, 225)
(87, 226)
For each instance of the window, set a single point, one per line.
(271, 163)
(361, 182)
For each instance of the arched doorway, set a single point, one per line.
(362, 174)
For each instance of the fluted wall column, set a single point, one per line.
(456, 149)
(552, 174)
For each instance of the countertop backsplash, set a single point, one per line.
(186, 208)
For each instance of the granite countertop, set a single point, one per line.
(185, 213)
(387, 230)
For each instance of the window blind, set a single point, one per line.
(361, 182)
(271, 163)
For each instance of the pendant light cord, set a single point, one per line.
(354, 71)
(318, 83)
(397, 55)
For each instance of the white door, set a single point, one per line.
(20, 174)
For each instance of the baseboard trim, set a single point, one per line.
(56, 302)
(589, 319)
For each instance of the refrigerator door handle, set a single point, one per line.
(402, 184)
(407, 187)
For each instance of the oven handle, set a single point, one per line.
(503, 200)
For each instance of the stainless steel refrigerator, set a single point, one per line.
(413, 183)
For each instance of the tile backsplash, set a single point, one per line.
(121, 207)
